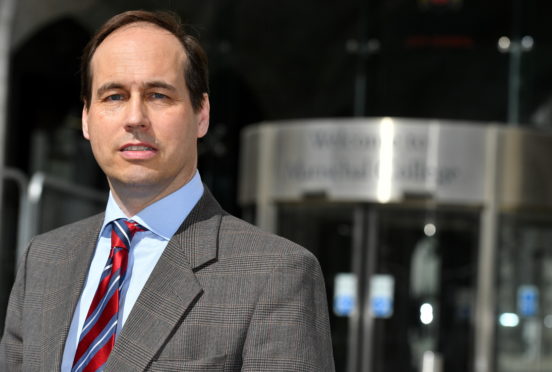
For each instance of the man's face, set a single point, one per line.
(140, 123)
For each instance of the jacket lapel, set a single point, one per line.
(64, 287)
(171, 290)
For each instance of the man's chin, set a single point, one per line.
(134, 182)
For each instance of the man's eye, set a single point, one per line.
(114, 97)
(158, 96)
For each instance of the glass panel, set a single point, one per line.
(423, 287)
(327, 232)
(524, 297)
(432, 258)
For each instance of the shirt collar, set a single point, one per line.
(164, 216)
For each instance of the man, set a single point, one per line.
(164, 280)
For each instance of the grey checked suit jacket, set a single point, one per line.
(224, 296)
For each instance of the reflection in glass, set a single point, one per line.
(524, 296)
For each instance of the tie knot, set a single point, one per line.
(123, 231)
(132, 226)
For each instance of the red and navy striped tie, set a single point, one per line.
(98, 332)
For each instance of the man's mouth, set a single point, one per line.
(137, 148)
(138, 151)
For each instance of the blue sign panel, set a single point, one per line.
(344, 305)
(528, 300)
(344, 302)
(381, 295)
(382, 307)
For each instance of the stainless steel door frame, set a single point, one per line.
(368, 225)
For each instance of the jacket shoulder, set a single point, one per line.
(77, 228)
(60, 243)
(243, 237)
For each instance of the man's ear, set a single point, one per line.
(203, 117)
(85, 122)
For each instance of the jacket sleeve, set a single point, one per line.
(11, 345)
(289, 330)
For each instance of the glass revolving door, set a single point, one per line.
(524, 297)
(327, 231)
(414, 281)
(432, 256)
(425, 269)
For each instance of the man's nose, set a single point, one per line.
(136, 117)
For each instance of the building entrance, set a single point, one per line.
(432, 236)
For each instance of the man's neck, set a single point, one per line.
(132, 199)
(131, 206)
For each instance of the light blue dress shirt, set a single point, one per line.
(161, 220)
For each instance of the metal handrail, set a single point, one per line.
(30, 214)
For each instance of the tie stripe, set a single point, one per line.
(98, 332)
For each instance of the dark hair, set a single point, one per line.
(196, 72)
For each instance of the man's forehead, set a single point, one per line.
(140, 36)
(139, 40)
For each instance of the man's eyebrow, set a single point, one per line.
(108, 86)
(160, 84)
(148, 85)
